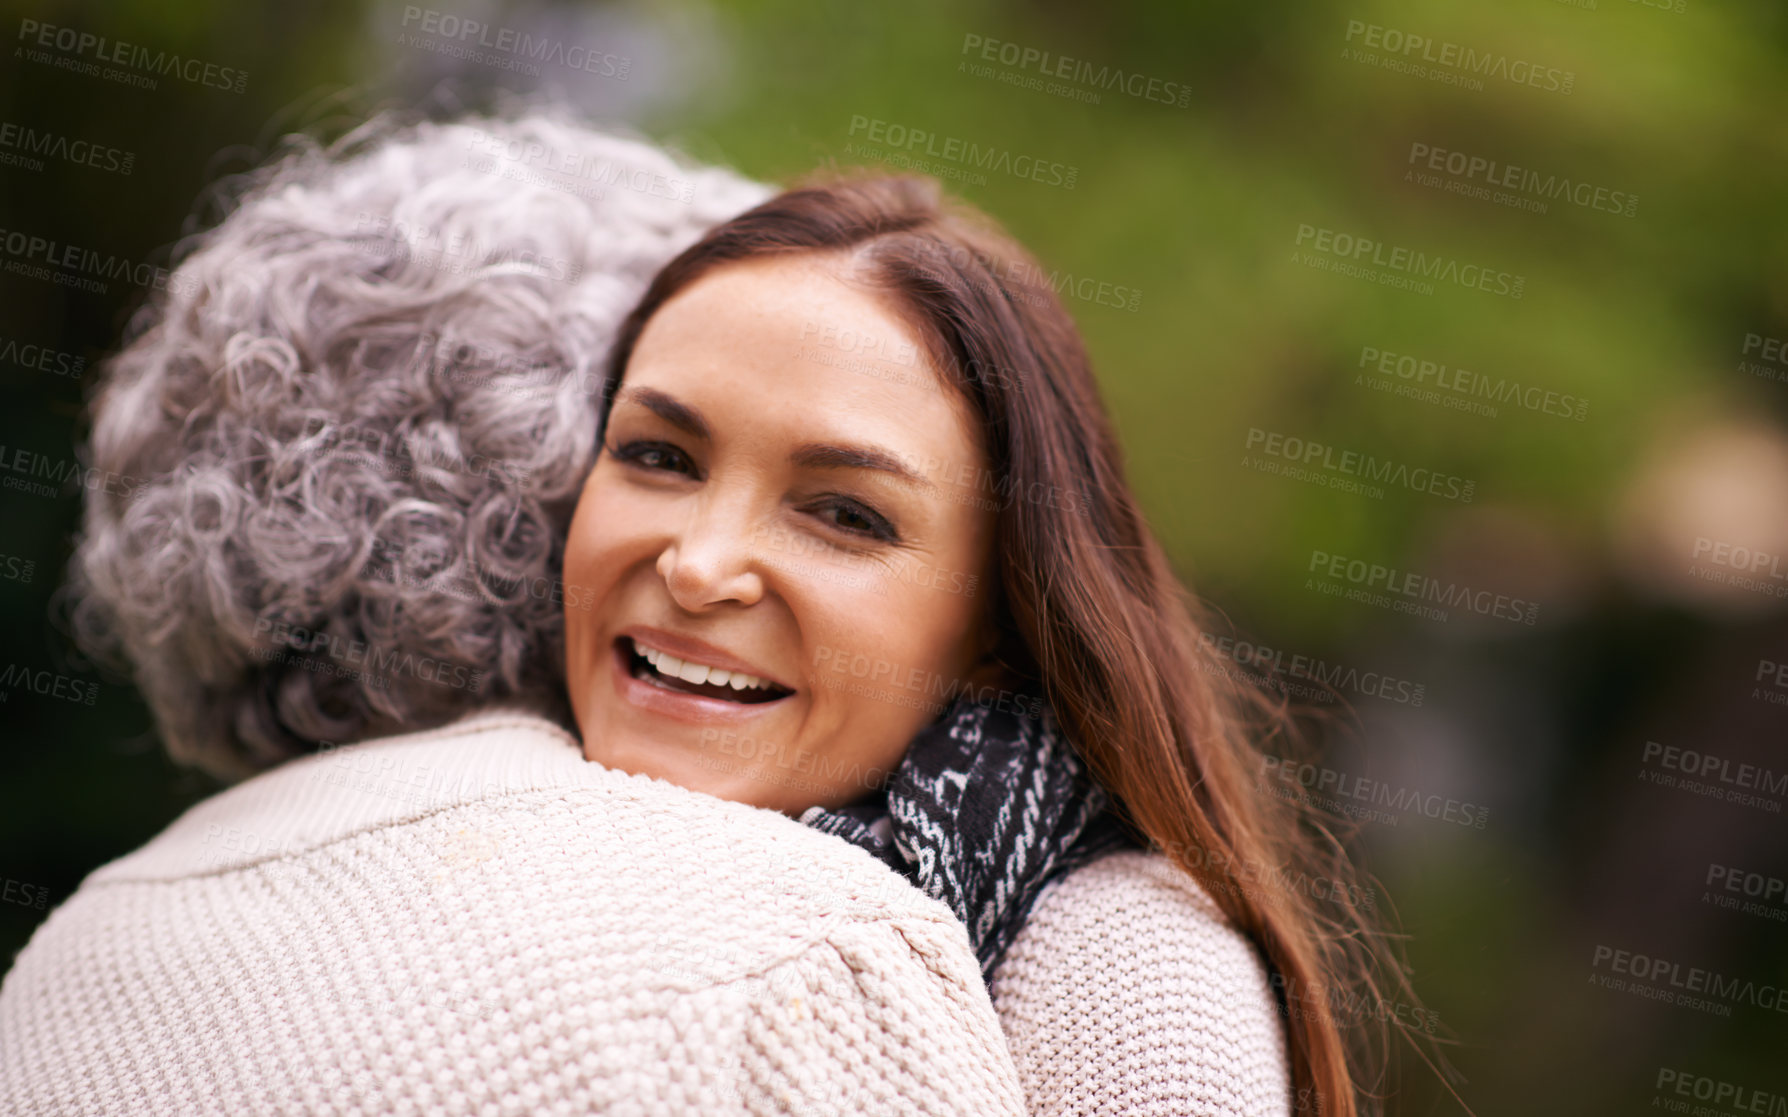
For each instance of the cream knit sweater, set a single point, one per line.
(476, 920)
(1127, 991)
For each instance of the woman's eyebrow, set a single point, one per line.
(672, 410)
(811, 455)
(830, 455)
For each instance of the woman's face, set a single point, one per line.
(786, 490)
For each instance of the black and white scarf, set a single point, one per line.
(987, 808)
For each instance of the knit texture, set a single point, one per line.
(475, 920)
(1129, 992)
(985, 810)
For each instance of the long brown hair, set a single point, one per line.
(1091, 614)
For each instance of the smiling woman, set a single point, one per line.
(727, 428)
(726, 436)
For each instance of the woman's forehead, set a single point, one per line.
(809, 291)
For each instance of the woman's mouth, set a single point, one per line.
(667, 672)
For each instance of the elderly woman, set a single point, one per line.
(607, 592)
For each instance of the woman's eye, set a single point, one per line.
(846, 515)
(858, 520)
(653, 455)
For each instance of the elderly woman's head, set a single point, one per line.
(360, 417)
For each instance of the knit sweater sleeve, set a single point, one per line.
(1129, 992)
(891, 1022)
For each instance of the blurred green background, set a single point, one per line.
(1659, 319)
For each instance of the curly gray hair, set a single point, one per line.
(356, 424)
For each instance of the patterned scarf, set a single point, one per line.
(987, 808)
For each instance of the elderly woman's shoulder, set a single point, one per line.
(486, 907)
(520, 782)
(1128, 988)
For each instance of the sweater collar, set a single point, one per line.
(324, 796)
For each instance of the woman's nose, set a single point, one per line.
(712, 558)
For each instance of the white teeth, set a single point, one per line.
(666, 664)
